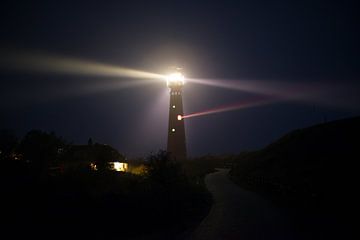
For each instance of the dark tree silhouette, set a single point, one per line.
(8, 144)
(90, 142)
(40, 149)
(164, 170)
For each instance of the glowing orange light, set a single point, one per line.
(119, 166)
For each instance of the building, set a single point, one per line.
(176, 144)
(96, 156)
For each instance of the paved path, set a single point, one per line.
(240, 214)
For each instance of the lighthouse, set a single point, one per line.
(176, 144)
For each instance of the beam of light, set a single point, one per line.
(35, 62)
(44, 63)
(275, 88)
(305, 92)
(156, 114)
(249, 103)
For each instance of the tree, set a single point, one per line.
(41, 149)
(162, 169)
(8, 144)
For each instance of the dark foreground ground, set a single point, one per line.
(101, 205)
(241, 214)
(309, 178)
(312, 174)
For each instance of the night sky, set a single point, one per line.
(295, 44)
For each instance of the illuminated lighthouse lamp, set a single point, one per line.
(175, 79)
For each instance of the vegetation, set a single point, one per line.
(47, 185)
(313, 169)
(161, 200)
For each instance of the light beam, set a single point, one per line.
(300, 91)
(259, 101)
(45, 63)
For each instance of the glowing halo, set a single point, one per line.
(175, 79)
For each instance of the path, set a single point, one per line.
(240, 214)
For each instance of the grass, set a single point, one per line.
(312, 171)
(102, 205)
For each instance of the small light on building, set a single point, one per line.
(173, 130)
(93, 166)
(179, 117)
(119, 166)
(173, 106)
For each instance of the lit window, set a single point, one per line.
(119, 166)
(93, 166)
(173, 106)
(173, 130)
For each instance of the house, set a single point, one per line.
(96, 157)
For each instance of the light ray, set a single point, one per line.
(35, 62)
(259, 101)
(275, 88)
(57, 64)
(305, 92)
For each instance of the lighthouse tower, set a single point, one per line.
(176, 144)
